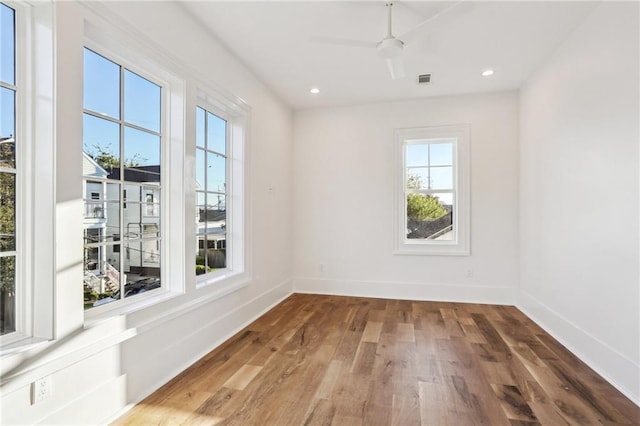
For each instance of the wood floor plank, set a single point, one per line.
(242, 377)
(372, 331)
(325, 389)
(332, 360)
(405, 410)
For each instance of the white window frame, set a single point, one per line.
(459, 135)
(235, 275)
(35, 175)
(119, 51)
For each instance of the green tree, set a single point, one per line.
(7, 211)
(109, 161)
(422, 206)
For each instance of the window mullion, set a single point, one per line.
(9, 86)
(205, 236)
(124, 251)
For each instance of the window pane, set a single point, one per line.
(216, 212)
(101, 142)
(216, 134)
(200, 207)
(141, 102)
(200, 169)
(216, 173)
(101, 85)
(200, 127)
(417, 178)
(142, 212)
(7, 294)
(151, 202)
(441, 177)
(7, 44)
(446, 199)
(416, 155)
(100, 234)
(7, 128)
(93, 235)
(428, 217)
(141, 156)
(134, 195)
(441, 154)
(133, 221)
(216, 256)
(94, 201)
(112, 213)
(102, 209)
(142, 261)
(7, 212)
(102, 275)
(201, 224)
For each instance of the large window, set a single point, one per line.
(432, 194)
(211, 192)
(122, 166)
(8, 170)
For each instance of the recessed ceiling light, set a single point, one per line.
(487, 73)
(314, 90)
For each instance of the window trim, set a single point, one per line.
(460, 134)
(34, 91)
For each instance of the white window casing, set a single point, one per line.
(458, 241)
(35, 172)
(235, 274)
(172, 163)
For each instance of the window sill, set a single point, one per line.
(93, 319)
(206, 293)
(206, 280)
(432, 250)
(17, 346)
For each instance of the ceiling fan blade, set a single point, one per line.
(396, 67)
(336, 41)
(437, 21)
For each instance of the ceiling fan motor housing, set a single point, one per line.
(390, 47)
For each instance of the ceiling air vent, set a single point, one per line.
(424, 79)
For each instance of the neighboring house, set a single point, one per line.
(211, 222)
(95, 224)
(102, 224)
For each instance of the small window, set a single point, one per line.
(432, 191)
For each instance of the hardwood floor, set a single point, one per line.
(321, 360)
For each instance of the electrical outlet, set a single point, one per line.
(40, 390)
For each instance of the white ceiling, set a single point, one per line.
(272, 39)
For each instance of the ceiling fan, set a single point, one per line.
(391, 47)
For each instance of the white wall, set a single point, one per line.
(579, 195)
(97, 370)
(343, 202)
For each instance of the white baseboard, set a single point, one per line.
(621, 372)
(463, 293)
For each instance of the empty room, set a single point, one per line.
(319, 213)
